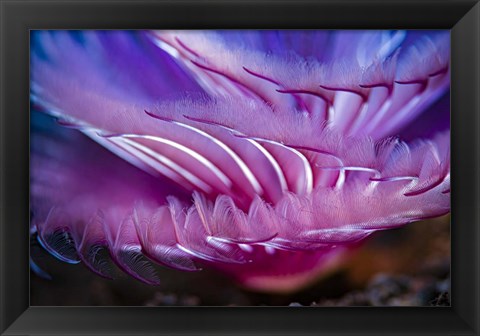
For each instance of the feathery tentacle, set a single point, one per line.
(274, 165)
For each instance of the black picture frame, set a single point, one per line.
(17, 17)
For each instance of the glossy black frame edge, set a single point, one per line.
(18, 16)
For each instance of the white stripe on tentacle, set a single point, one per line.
(185, 150)
(253, 176)
(292, 181)
(224, 148)
(296, 185)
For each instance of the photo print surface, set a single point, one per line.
(240, 167)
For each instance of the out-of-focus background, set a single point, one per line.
(409, 266)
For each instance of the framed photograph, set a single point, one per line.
(265, 166)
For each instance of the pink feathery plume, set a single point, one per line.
(267, 155)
